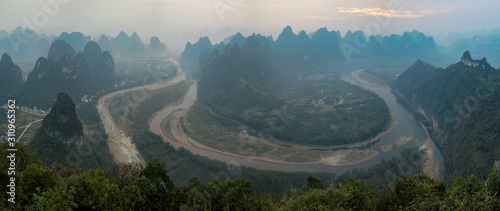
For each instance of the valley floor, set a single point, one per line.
(169, 124)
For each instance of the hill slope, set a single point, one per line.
(463, 103)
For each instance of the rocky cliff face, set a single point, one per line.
(468, 61)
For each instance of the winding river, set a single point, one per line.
(407, 126)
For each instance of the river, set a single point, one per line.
(120, 145)
(407, 126)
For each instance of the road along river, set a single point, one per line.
(407, 126)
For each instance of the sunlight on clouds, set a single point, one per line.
(377, 11)
(315, 17)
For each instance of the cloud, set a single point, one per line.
(377, 11)
(315, 17)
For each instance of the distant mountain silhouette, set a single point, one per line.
(189, 58)
(136, 39)
(23, 43)
(132, 47)
(324, 48)
(120, 44)
(76, 39)
(27, 44)
(156, 47)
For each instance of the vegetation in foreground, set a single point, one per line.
(136, 187)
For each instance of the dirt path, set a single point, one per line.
(26, 128)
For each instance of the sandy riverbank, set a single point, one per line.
(431, 165)
(120, 145)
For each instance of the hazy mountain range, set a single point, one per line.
(82, 73)
(26, 44)
(354, 49)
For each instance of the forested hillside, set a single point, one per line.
(463, 102)
(136, 187)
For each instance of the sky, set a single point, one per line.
(178, 21)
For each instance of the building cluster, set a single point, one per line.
(33, 110)
(318, 77)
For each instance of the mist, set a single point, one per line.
(175, 22)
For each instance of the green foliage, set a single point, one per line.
(313, 183)
(91, 189)
(24, 157)
(493, 183)
(35, 179)
(60, 198)
(464, 101)
(157, 194)
(409, 190)
(356, 195)
(156, 170)
(220, 194)
(150, 188)
(25, 161)
(50, 150)
(125, 173)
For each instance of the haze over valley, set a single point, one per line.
(238, 105)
